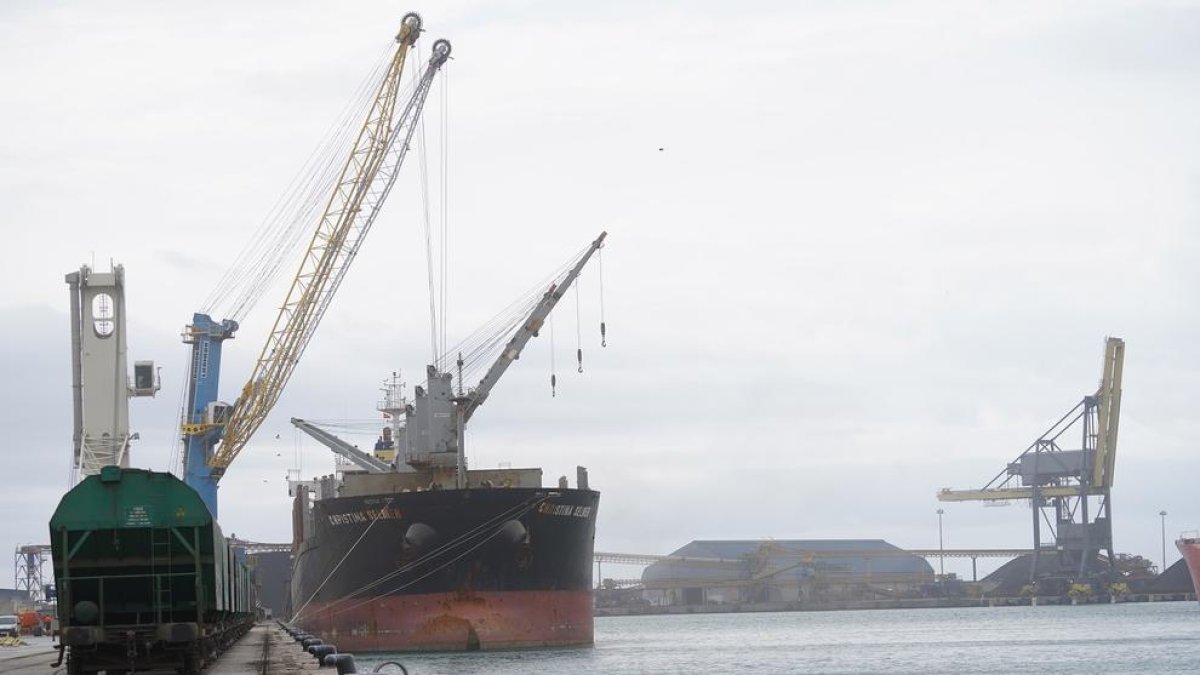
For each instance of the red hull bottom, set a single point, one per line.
(455, 621)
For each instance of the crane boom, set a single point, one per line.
(362, 459)
(366, 180)
(1108, 412)
(512, 350)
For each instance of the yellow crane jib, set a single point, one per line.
(366, 180)
(364, 183)
(1108, 412)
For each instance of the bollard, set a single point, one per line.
(320, 651)
(310, 642)
(345, 664)
(330, 660)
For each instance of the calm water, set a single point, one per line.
(1125, 638)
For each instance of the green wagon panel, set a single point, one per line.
(129, 499)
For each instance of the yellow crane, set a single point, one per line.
(1069, 488)
(365, 180)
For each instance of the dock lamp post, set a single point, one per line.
(1163, 517)
(941, 548)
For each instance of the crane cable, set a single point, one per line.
(578, 328)
(277, 238)
(479, 347)
(600, 271)
(179, 449)
(510, 513)
(423, 162)
(524, 508)
(307, 195)
(553, 371)
(338, 566)
(444, 160)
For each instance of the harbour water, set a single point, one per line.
(1124, 638)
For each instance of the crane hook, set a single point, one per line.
(579, 357)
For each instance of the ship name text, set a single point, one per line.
(364, 516)
(548, 509)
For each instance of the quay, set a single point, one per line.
(264, 649)
(32, 658)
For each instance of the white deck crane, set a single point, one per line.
(434, 423)
(512, 351)
(365, 181)
(363, 460)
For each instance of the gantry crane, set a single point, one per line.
(28, 561)
(1069, 489)
(216, 432)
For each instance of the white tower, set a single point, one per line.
(99, 373)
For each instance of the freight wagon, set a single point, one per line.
(146, 580)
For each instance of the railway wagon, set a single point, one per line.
(146, 580)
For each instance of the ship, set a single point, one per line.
(1189, 547)
(412, 550)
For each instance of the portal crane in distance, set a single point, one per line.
(216, 432)
(28, 561)
(1069, 489)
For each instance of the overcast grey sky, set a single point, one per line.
(878, 253)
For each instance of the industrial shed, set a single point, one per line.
(791, 571)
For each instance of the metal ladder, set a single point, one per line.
(160, 554)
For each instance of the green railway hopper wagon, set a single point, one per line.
(146, 579)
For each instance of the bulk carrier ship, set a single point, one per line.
(1189, 547)
(413, 551)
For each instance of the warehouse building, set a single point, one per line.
(708, 572)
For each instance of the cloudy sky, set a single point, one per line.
(858, 251)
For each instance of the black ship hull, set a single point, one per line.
(485, 568)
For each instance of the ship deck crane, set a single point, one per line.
(363, 459)
(447, 437)
(1069, 489)
(434, 423)
(216, 432)
(529, 329)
